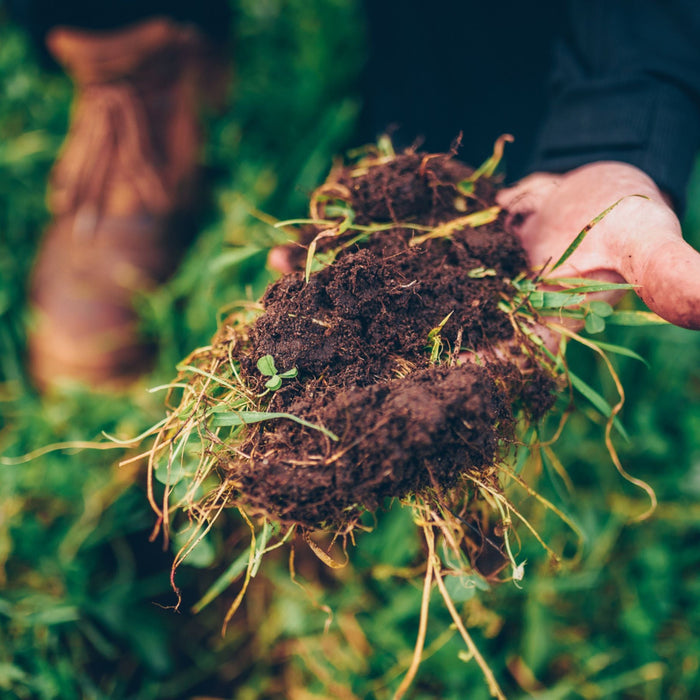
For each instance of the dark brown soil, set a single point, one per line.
(358, 334)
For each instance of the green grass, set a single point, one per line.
(82, 588)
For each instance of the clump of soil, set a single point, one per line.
(359, 334)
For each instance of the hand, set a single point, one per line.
(639, 241)
(279, 259)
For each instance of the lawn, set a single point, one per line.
(85, 596)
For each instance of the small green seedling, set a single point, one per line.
(435, 341)
(266, 365)
(479, 273)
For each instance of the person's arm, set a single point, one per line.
(625, 86)
(624, 120)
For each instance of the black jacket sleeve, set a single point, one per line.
(626, 86)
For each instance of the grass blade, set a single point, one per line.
(636, 318)
(474, 220)
(236, 256)
(224, 581)
(584, 231)
(598, 401)
(619, 350)
(488, 167)
(232, 418)
(595, 287)
(555, 300)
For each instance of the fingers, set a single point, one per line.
(528, 192)
(279, 259)
(526, 198)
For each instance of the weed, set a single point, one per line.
(266, 365)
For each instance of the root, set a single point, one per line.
(423, 623)
(639, 483)
(494, 688)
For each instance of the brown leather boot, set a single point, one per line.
(120, 194)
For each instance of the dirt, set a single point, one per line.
(358, 334)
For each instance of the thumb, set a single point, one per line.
(669, 282)
(645, 238)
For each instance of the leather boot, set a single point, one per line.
(121, 195)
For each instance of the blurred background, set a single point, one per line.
(85, 597)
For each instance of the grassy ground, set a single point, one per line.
(82, 589)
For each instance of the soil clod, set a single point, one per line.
(379, 339)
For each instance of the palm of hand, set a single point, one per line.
(639, 241)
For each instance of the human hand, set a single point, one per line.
(279, 259)
(639, 241)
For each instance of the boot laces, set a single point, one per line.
(109, 137)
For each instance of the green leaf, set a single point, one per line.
(600, 308)
(465, 187)
(435, 350)
(170, 476)
(636, 318)
(230, 418)
(525, 285)
(578, 312)
(343, 210)
(183, 489)
(266, 365)
(23, 147)
(385, 146)
(435, 332)
(555, 300)
(619, 350)
(475, 219)
(488, 167)
(10, 674)
(290, 373)
(54, 615)
(236, 256)
(584, 285)
(300, 222)
(224, 581)
(481, 272)
(261, 541)
(597, 400)
(460, 588)
(481, 218)
(274, 382)
(241, 562)
(560, 486)
(595, 323)
(201, 555)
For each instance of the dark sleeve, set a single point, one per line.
(626, 86)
